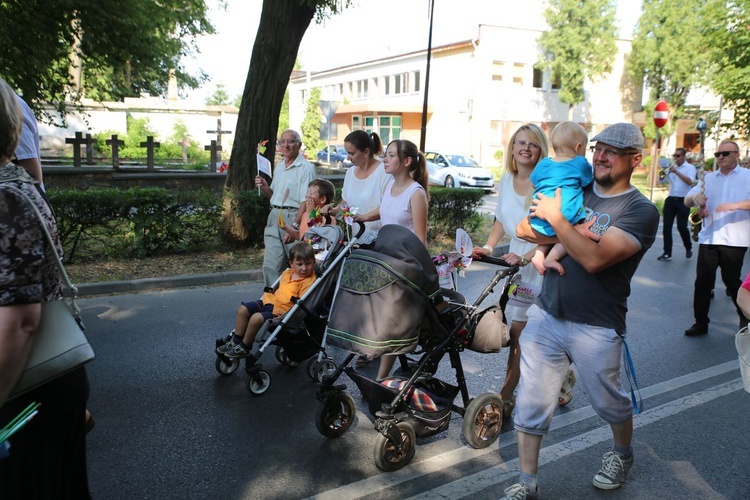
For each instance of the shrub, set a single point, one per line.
(137, 222)
(253, 209)
(453, 208)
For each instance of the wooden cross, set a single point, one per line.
(89, 141)
(150, 144)
(76, 142)
(219, 132)
(115, 143)
(214, 147)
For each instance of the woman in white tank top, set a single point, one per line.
(404, 203)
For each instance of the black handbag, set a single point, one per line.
(60, 345)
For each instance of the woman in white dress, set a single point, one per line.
(526, 146)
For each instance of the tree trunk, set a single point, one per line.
(282, 25)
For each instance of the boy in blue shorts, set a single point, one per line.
(251, 316)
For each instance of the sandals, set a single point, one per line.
(566, 391)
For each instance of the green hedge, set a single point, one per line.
(109, 223)
(453, 208)
(138, 222)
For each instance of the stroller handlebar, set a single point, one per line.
(500, 262)
(361, 229)
(493, 260)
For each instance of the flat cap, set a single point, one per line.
(621, 135)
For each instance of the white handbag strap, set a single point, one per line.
(64, 275)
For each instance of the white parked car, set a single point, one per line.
(451, 170)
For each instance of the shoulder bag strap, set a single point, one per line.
(64, 275)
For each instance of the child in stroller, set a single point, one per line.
(251, 316)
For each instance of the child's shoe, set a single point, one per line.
(223, 349)
(238, 351)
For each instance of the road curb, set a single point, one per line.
(129, 286)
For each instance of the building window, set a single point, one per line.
(518, 73)
(541, 78)
(356, 122)
(389, 128)
(498, 68)
(417, 82)
(537, 78)
(387, 82)
(361, 86)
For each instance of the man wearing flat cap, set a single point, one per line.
(580, 317)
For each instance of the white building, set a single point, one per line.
(480, 90)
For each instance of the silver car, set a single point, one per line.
(452, 170)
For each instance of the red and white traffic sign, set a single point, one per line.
(661, 114)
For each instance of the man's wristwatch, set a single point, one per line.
(524, 261)
(488, 248)
(295, 225)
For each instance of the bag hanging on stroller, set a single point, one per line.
(396, 273)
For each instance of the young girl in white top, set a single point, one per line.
(404, 202)
(405, 197)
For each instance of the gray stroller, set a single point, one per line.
(388, 302)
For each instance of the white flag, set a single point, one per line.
(264, 166)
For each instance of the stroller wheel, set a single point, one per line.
(482, 420)
(226, 366)
(312, 368)
(258, 382)
(325, 368)
(389, 457)
(282, 357)
(335, 415)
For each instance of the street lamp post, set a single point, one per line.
(701, 126)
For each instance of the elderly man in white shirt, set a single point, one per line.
(680, 176)
(725, 235)
(287, 192)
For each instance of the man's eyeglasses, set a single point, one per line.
(676, 155)
(524, 145)
(291, 142)
(611, 153)
(724, 153)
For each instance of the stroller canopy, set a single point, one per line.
(383, 295)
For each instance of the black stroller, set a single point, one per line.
(399, 273)
(298, 334)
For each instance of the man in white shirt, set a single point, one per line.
(725, 235)
(680, 176)
(287, 191)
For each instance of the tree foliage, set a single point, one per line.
(311, 123)
(123, 48)
(282, 25)
(668, 53)
(580, 44)
(219, 97)
(727, 30)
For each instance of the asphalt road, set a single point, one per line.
(169, 426)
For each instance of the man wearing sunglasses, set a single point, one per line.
(725, 234)
(680, 176)
(580, 317)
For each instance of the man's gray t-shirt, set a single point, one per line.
(601, 299)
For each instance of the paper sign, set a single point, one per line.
(264, 166)
(464, 246)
